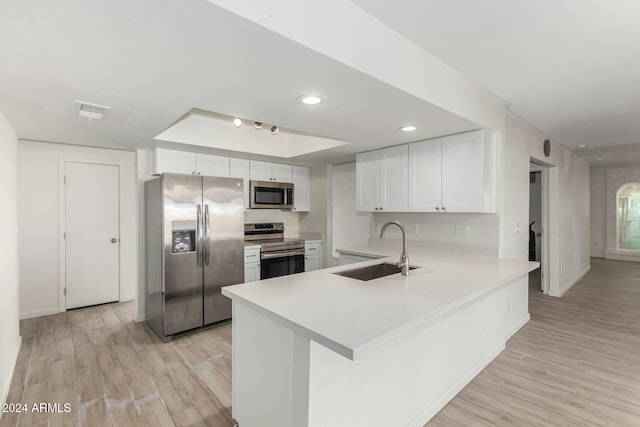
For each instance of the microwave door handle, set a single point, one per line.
(199, 235)
(207, 237)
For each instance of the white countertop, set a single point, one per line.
(353, 317)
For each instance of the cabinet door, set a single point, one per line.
(212, 165)
(311, 263)
(425, 175)
(239, 168)
(281, 172)
(172, 161)
(367, 166)
(251, 272)
(394, 193)
(260, 171)
(300, 175)
(462, 172)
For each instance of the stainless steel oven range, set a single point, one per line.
(279, 256)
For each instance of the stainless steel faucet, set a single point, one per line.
(403, 264)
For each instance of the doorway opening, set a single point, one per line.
(538, 224)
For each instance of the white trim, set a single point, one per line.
(622, 255)
(446, 397)
(141, 318)
(38, 313)
(569, 285)
(517, 327)
(7, 386)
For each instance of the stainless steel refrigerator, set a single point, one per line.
(194, 247)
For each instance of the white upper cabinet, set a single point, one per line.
(301, 202)
(451, 174)
(173, 161)
(266, 171)
(212, 165)
(239, 168)
(425, 175)
(462, 172)
(381, 180)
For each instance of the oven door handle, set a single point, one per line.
(271, 255)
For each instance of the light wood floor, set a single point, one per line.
(576, 363)
(116, 372)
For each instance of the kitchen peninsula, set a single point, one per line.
(319, 349)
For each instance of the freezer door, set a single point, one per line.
(182, 245)
(223, 243)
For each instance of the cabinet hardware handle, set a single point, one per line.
(380, 208)
(443, 209)
(437, 208)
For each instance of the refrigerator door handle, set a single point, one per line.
(199, 235)
(207, 240)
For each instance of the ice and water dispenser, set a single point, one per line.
(183, 235)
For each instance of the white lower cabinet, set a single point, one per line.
(313, 259)
(251, 265)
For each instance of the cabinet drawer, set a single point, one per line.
(312, 248)
(251, 255)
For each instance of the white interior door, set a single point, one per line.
(92, 268)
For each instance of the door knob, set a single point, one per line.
(114, 240)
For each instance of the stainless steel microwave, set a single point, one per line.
(270, 195)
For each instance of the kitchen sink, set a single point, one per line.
(372, 272)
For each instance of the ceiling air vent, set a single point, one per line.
(91, 111)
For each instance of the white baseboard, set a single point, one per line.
(569, 285)
(141, 318)
(446, 397)
(127, 298)
(517, 327)
(7, 384)
(38, 313)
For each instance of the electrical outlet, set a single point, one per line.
(414, 229)
(462, 230)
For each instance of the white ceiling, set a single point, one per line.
(569, 68)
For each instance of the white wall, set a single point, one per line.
(348, 227)
(568, 228)
(598, 201)
(9, 325)
(40, 181)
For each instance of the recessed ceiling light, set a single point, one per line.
(309, 99)
(237, 122)
(408, 128)
(582, 146)
(274, 129)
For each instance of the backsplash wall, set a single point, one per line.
(438, 228)
(290, 219)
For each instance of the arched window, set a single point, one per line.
(628, 204)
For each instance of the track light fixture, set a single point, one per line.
(257, 125)
(274, 129)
